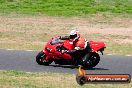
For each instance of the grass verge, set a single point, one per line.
(15, 79)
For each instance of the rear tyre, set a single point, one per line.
(40, 59)
(91, 60)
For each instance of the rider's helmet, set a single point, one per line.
(74, 33)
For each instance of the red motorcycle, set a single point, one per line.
(87, 57)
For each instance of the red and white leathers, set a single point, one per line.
(80, 43)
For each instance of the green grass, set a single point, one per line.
(19, 79)
(121, 49)
(65, 7)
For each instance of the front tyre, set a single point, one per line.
(91, 60)
(40, 59)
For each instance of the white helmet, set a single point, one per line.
(73, 33)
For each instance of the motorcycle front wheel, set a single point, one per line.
(40, 59)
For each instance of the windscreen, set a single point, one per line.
(55, 41)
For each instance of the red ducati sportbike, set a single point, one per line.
(52, 52)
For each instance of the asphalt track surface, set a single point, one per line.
(25, 61)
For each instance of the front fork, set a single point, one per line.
(47, 54)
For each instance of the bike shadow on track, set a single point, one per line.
(75, 67)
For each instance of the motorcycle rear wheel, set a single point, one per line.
(91, 60)
(40, 59)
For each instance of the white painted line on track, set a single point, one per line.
(36, 50)
(109, 54)
(9, 49)
(128, 55)
(29, 50)
(17, 50)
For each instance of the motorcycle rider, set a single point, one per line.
(80, 43)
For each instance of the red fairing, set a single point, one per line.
(96, 46)
(51, 52)
(48, 44)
